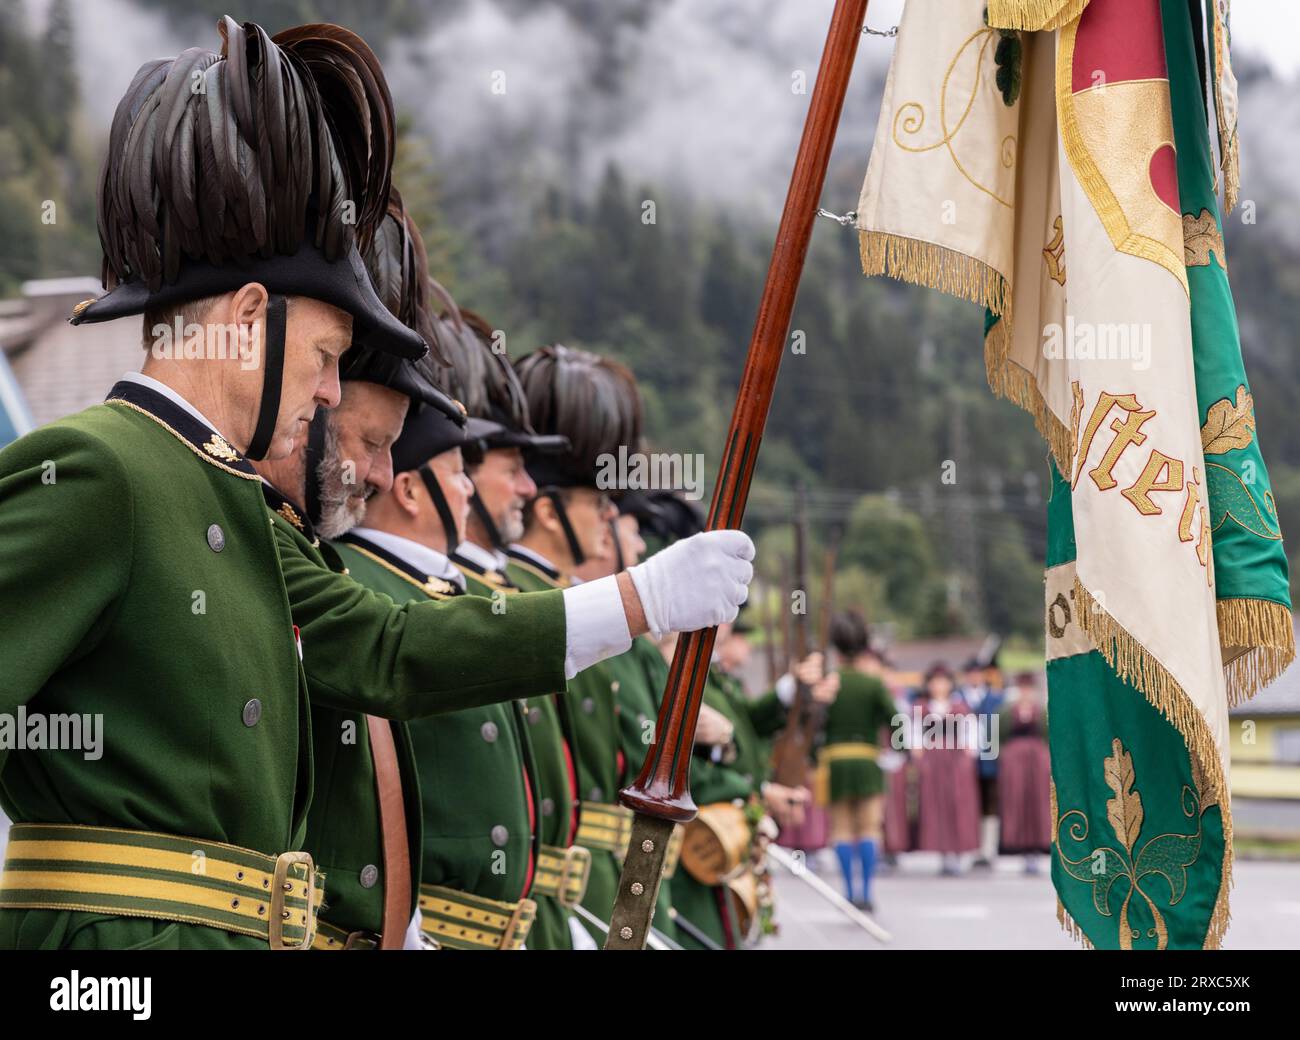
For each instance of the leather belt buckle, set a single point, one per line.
(281, 886)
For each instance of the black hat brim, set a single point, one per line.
(343, 283)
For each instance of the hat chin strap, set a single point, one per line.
(575, 550)
(272, 377)
(440, 504)
(480, 508)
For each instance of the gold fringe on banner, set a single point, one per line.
(1263, 636)
(1137, 666)
(1231, 176)
(1018, 385)
(1071, 927)
(936, 267)
(1033, 15)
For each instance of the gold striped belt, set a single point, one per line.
(141, 874)
(459, 921)
(609, 827)
(604, 826)
(331, 937)
(562, 873)
(846, 752)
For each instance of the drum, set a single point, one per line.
(715, 846)
(742, 897)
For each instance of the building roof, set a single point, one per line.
(61, 368)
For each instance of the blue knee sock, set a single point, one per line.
(867, 853)
(844, 850)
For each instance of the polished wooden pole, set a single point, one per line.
(661, 794)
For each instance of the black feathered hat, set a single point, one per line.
(267, 162)
(591, 400)
(491, 390)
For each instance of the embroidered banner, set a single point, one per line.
(1040, 174)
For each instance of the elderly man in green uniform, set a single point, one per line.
(503, 439)
(475, 766)
(166, 614)
(188, 831)
(363, 827)
(476, 774)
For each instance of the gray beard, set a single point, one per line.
(340, 509)
(510, 531)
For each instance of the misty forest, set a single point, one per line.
(610, 175)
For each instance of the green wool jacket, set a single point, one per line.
(142, 582)
(550, 730)
(344, 833)
(593, 711)
(476, 776)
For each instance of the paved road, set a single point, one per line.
(1005, 909)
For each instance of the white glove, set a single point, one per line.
(696, 583)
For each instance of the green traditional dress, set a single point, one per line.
(853, 724)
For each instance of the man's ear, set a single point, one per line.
(407, 493)
(544, 514)
(248, 312)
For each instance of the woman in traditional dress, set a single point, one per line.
(1025, 775)
(854, 724)
(949, 780)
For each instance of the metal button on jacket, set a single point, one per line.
(253, 712)
(588, 705)
(489, 731)
(535, 716)
(500, 835)
(548, 806)
(216, 538)
(614, 686)
(597, 795)
(369, 875)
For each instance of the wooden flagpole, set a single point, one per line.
(661, 795)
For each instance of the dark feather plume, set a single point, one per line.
(590, 399)
(399, 270)
(226, 156)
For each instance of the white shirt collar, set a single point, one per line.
(489, 559)
(430, 561)
(174, 397)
